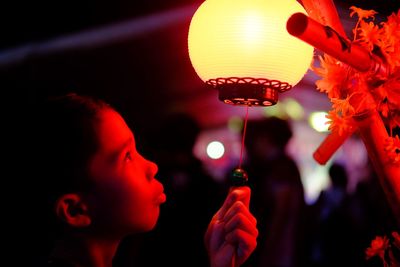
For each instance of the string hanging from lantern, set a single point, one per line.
(243, 137)
(239, 176)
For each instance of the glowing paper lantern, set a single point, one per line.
(242, 48)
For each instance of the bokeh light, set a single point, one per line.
(215, 150)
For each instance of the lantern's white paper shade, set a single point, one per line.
(247, 38)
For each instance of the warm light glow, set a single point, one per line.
(235, 124)
(277, 110)
(215, 150)
(319, 121)
(293, 109)
(247, 38)
(285, 109)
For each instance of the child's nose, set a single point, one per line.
(152, 169)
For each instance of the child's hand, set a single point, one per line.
(232, 233)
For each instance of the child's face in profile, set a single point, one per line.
(125, 196)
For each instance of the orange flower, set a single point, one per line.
(394, 120)
(334, 76)
(338, 123)
(391, 89)
(342, 106)
(392, 25)
(361, 13)
(389, 43)
(383, 108)
(392, 147)
(387, 95)
(369, 35)
(378, 247)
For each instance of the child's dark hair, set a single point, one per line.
(65, 140)
(62, 138)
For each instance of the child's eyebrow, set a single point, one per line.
(127, 143)
(115, 154)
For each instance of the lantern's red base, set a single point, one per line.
(248, 91)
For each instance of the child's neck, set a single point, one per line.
(85, 251)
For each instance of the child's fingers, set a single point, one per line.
(245, 242)
(242, 222)
(242, 194)
(214, 235)
(236, 208)
(235, 194)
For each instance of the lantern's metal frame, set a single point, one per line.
(248, 91)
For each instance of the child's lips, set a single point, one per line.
(160, 195)
(161, 198)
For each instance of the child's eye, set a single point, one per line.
(128, 155)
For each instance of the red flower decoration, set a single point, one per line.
(338, 80)
(392, 148)
(378, 247)
(396, 240)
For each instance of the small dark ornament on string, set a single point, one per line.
(238, 176)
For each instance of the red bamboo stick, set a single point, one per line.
(324, 11)
(329, 41)
(329, 146)
(375, 136)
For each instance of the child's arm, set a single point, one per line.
(232, 233)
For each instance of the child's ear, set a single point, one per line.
(72, 209)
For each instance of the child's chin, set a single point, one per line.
(148, 226)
